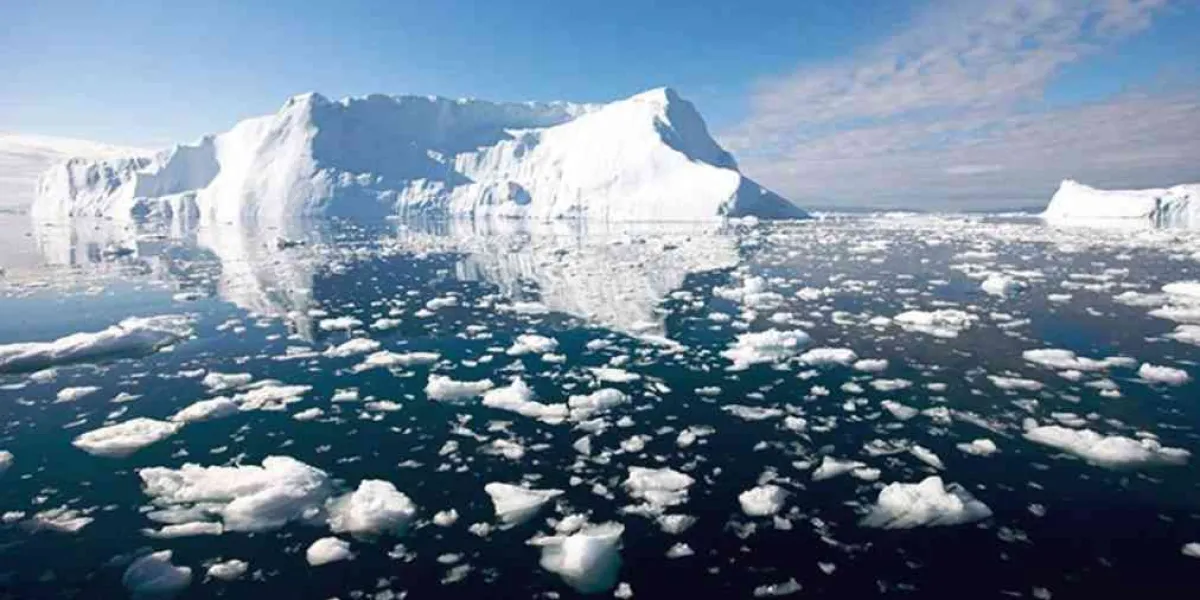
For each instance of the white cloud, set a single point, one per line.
(952, 109)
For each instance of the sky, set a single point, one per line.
(925, 104)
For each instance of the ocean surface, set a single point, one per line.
(1082, 481)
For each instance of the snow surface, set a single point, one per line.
(928, 503)
(646, 158)
(133, 336)
(1177, 206)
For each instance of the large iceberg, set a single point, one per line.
(646, 158)
(1177, 206)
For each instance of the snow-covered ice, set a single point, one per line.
(645, 158)
(1113, 451)
(130, 337)
(514, 504)
(588, 560)
(125, 438)
(245, 497)
(928, 503)
(375, 508)
(328, 550)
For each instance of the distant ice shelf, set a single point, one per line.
(645, 158)
(1177, 206)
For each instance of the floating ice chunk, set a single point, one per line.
(772, 590)
(928, 503)
(190, 529)
(387, 359)
(943, 323)
(445, 518)
(228, 570)
(515, 504)
(384, 324)
(339, 324)
(444, 389)
(832, 467)
(153, 576)
(587, 560)
(680, 550)
(375, 508)
(1106, 451)
(765, 347)
(979, 447)
(1015, 383)
(926, 456)
(532, 344)
(270, 396)
(829, 356)
(1001, 285)
(59, 520)
(518, 397)
(125, 438)
(71, 394)
(762, 501)
(223, 381)
(245, 497)
(309, 414)
(586, 406)
(131, 337)
(206, 410)
(352, 347)
(871, 365)
(890, 385)
(752, 413)
(6, 461)
(1165, 375)
(1191, 549)
(1055, 358)
(328, 550)
(1186, 334)
(660, 488)
(900, 411)
(613, 375)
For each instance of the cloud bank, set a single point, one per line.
(953, 112)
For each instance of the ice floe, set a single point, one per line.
(928, 503)
(1111, 451)
(125, 438)
(514, 504)
(131, 337)
(328, 550)
(588, 560)
(243, 497)
(375, 508)
(154, 576)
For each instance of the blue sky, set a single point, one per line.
(878, 102)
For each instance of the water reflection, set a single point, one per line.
(613, 275)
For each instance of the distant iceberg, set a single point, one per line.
(646, 158)
(1177, 206)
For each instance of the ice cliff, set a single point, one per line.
(1177, 206)
(646, 158)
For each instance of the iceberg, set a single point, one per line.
(1074, 202)
(645, 158)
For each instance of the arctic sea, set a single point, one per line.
(786, 386)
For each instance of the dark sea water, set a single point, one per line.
(667, 301)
